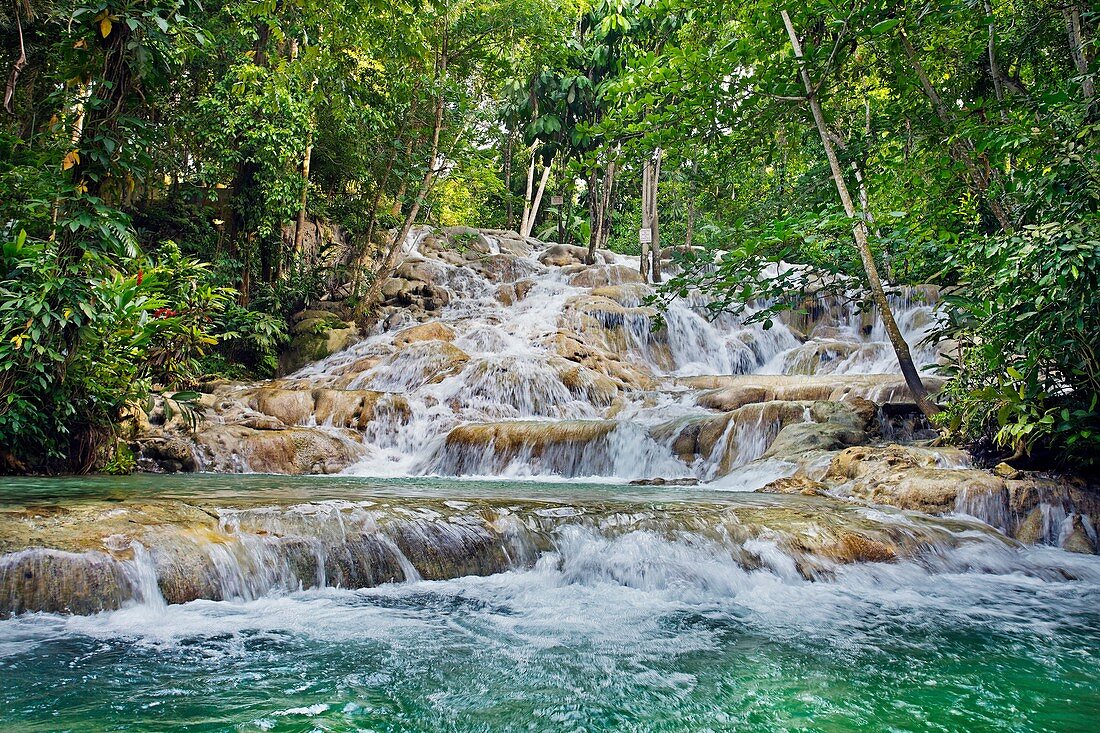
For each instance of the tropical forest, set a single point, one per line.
(550, 365)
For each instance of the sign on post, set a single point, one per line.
(645, 236)
(556, 200)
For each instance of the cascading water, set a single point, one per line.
(266, 603)
(532, 338)
(391, 599)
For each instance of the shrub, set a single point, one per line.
(1026, 378)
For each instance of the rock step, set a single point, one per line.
(100, 555)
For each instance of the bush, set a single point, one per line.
(81, 340)
(1026, 379)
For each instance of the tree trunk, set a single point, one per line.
(300, 225)
(511, 215)
(1078, 45)
(538, 199)
(389, 263)
(533, 197)
(600, 219)
(17, 67)
(994, 68)
(528, 193)
(878, 295)
(643, 260)
(655, 215)
(593, 214)
(608, 198)
(689, 235)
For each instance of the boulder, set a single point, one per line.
(731, 392)
(565, 447)
(794, 485)
(1078, 540)
(295, 450)
(561, 255)
(595, 276)
(566, 345)
(629, 296)
(289, 406)
(535, 435)
(164, 453)
(803, 437)
(1030, 531)
(512, 293)
(910, 478)
(431, 331)
(346, 408)
(314, 337)
(504, 268)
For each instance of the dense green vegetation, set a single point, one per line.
(161, 163)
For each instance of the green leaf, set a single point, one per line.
(884, 26)
(186, 396)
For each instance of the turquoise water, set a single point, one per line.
(634, 633)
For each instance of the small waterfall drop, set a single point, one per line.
(539, 365)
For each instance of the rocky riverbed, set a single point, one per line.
(501, 356)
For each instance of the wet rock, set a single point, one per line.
(509, 241)
(1078, 540)
(568, 346)
(512, 293)
(1006, 471)
(881, 461)
(535, 435)
(296, 450)
(561, 255)
(597, 276)
(315, 335)
(794, 485)
(731, 392)
(1030, 531)
(629, 296)
(928, 490)
(289, 406)
(342, 408)
(556, 446)
(345, 408)
(808, 436)
(85, 558)
(594, 387)
(854, 547)
(815, 357)
(505, 268)
(419, 270)
(431, 331)
(165, 453)
(856, 413)
(394, 287)
(55, 581)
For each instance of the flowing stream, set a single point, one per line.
(629, 614)
(539, 366)
(481, 564)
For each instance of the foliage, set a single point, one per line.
(133, 322)
(160, 153)
(1026, 317)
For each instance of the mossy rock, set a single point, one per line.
(314, 338)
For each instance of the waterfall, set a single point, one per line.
(243, 554)
(537, 365)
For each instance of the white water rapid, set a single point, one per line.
(540, 366)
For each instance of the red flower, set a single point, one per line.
(141, 274)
